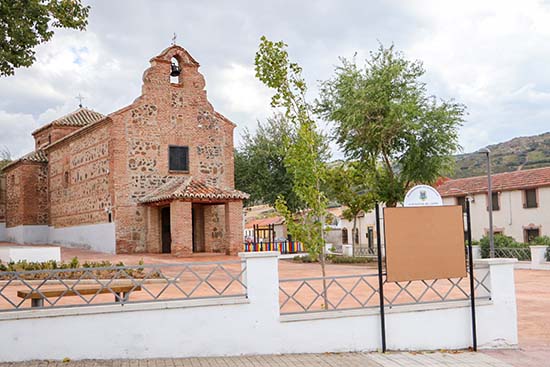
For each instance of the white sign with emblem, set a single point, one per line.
(423, 195)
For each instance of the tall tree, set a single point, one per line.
(385, 119)
(5, 157)
(350, 186)
(259, 163)
(24, 24)
(306, 154)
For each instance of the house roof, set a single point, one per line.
(188, 188)
(79, 118)
(261, 222)
(38, 156)
(507, 181)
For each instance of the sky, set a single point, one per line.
(492, 56)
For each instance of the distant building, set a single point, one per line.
(521, 202)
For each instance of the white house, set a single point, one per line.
(521, 202)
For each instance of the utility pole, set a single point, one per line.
(490, 192)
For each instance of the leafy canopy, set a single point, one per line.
(385, 119)
(259, 164)
(24, 24)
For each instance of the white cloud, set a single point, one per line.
(490, 55)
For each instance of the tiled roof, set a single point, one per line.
(189, 188)
(507, 181)
(37, 156)
(265, 221)
(79, 118)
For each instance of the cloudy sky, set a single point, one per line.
(493, 56)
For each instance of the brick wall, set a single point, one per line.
(79, 184)
(2, 198)
(27, 194)
(166, 114)
(52, 134)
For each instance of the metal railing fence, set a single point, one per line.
(21, 290)
(520, 253)
(348, 292)
(364, 251)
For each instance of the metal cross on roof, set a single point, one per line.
(174, 39)
(80, 98)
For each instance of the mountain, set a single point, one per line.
(519, 153)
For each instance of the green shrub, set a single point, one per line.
(73, 264)
(543, 241)
(303, 259)
(501, 241)
(350, 260)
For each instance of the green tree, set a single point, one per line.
(259, 163)
(24, 24)
(306, 153)
(349, 186)
(385, 119)
(5, 157)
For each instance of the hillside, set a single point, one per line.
(519, 153)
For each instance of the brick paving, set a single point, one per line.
(464, 359)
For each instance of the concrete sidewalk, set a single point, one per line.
(461, 359)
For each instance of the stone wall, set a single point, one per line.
(79, 179)
(27, 194)
(166, 114)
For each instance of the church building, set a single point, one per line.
(156, 176)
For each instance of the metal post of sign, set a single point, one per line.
(471, 272)
(380, 279)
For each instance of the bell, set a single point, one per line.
(174, 70)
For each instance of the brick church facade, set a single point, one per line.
(155, 176)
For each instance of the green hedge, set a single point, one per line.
(501, 241)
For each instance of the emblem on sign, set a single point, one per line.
(423, 195)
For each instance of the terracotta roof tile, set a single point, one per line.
(265, 221)
(507, 181)
(81, 117)
(37, 156)
(189, 188)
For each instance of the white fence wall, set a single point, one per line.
(253, 325)
(3, 232)
(98, 237)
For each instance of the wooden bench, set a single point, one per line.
(37, 299)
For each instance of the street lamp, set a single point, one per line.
(487, 152)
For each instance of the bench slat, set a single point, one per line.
(84, 290)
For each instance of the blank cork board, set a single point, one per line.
(424, 243)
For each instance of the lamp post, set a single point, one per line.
(490, 196)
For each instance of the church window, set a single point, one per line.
(175, 71)
(178, 159)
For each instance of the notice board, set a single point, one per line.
(424, 243)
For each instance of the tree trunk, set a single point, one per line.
(324, 274)
(353, 242)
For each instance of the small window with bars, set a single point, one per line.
(495, 201)
(178, 159)
(530, 198)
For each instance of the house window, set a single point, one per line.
(344, 236)
(461, 200)
(178, 159)
(495, 201)
(530, 198)
(66, 178)
(531, 233)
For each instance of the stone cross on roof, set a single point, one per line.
(80, 98)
